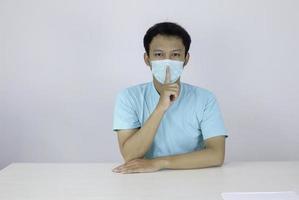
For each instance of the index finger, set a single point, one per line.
(167, 75)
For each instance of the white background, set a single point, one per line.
(62, 63)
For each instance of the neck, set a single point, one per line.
(158, 85)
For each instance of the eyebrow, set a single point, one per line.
(177, 50)
(172, 50)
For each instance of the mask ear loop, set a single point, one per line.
(185, 62)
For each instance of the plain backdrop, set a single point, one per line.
(62, 63)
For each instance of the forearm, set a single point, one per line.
(138, 144)
(193, 160)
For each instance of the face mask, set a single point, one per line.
(159, 69)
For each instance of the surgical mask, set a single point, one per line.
(159, 69)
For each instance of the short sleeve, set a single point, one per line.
(124, 115)
(212, 122)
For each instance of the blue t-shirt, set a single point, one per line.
(192, 118)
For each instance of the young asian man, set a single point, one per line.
(166, 123)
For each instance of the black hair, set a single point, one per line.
(167, 29)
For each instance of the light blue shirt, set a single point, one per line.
(192, 118)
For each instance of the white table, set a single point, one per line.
(94, 181)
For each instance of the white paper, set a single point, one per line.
(288, 195)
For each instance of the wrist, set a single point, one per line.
(162, 162)
(160, 109)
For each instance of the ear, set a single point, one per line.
(186, 59)
(146, 59)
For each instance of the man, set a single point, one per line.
(166, 123)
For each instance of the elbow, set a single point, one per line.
(219, 163)
(219, 159)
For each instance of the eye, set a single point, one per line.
(176, 54)
(158, 54)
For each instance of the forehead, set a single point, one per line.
(163, 42)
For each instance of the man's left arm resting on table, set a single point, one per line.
(211, 156)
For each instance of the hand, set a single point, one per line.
(170, 91)
(139, 165)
